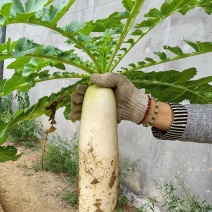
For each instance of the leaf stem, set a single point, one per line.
(86, 69)
(52, 77)
(142, 35)
(133, 14)
(61, 32)
(165, 61)
(149, 82)
(40, 107)
(67, 76)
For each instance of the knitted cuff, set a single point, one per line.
(178, 125)
(136, 107)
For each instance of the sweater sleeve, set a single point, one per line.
(191, 123)
(199, 124)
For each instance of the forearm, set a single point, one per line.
(164, 118)
(188, 123)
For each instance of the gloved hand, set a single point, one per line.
(76, 102)
(131, 102)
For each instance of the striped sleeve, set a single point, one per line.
(178, 126)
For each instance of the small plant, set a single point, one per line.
(71, 198)
(185, 201)
(128, 166)
(176, 200)
(61, 156)
(6, 108)
(25, 132)
(121, 201)
(13, 103)
(149, 206)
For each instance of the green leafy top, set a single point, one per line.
(105, 42)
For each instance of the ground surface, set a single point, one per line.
(22, 189)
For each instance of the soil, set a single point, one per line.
(23, 189)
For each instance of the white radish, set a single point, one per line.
(98, 152)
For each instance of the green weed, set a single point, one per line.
(127, 167)
(25, 132)
(121, 201)
(71, 198)
(176, 198)
(61, 156)
(181, 199)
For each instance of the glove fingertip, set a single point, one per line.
(106, 80)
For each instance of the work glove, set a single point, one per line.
(131, 102)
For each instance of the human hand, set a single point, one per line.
(76, 102)
(131, 102)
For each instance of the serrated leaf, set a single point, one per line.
(3, 2)
(155, 16)
(10, 45)
(153, 13)
(34, 65)
(5, 10)
(193, 45)
(185, 75)
(200, 46)
(205, 4)
(169, 6)
(65, 73)
(48, 50)
(101, 25)
(137, 32)
(83, 38)
(23, 47)
(128, 4)
(123, 49)
(57, 73)
(130, 41)
(14, 83)
(8, 153)
(19, 63)
(132, 65)
(49, 14)
(150, 60)
(60, 66)
(148, 23)
(161, 55)
(18, 7)
(36, 5)
(44, 75)
(184, 6)
(176, 50)
(141, 63)
(74, 26)
(55, 12)
(174, 86)
(113, 31)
